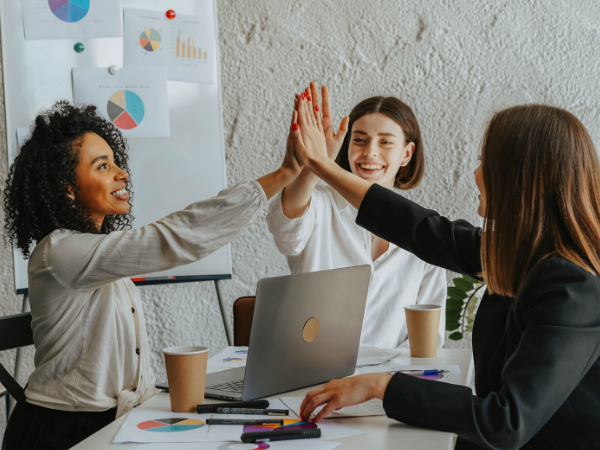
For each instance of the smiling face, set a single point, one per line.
(101, 182)
(378, 149)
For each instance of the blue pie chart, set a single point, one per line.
(70, 10)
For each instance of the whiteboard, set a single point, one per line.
(190, 163)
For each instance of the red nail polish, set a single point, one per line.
(308, 98)
(295, 126)
(317, 108)
(303, 95)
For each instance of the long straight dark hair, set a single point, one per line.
(410, 175)
(542, 181)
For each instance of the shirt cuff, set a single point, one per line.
(260, 192)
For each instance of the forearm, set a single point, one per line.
(274, 182)
(296, 196)
(351, 187)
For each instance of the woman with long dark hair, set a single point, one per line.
(536, 339)
(68, 193)
(314, 226)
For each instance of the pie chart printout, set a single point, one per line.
(170, 425)
(150, 40)
(70, 10)
(239, 446)
(125, 109)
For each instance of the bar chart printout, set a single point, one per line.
(185, 46)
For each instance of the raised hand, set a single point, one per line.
(334, 140)
(309, 140)
(290, 160)
(338, 394)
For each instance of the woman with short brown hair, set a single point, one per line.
(536, 339)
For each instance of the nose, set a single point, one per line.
(121, 175)
(371, 149)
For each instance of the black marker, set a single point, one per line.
(282, 435)
(212, 408)
(251, 411)
(243, 422)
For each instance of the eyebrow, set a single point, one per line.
(378, 134)
(98, 158)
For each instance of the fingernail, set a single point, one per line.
(295, 126)
(317, 108)
(303, 95)
(309, 99)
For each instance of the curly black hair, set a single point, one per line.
(35, 198)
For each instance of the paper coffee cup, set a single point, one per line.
(423, 323)
(186, 373)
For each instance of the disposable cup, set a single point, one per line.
(186, 373)
(423, 323)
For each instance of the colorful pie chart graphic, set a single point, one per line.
(439, 376)
(150, 40)
(230, 446)
(170, 425)
(232, 359)
(125, 109)
(70, 10)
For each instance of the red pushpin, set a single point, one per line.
(171, 14)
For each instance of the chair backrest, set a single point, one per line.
(15, 332)
(243, 312)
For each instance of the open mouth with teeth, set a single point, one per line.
(370, 168)
(121, 194)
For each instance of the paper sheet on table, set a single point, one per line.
(71, 19)
(369, 355)
(228, 358)
(135, 100)
(373, 407)
(315, 444)
(452, 376)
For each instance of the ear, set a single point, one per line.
(408, 154)
(70, 192)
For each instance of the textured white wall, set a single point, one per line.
(453, 61)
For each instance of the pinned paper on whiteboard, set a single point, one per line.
(135, 100)
(184, 45)
(71, 19)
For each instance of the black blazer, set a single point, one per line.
(537, 372)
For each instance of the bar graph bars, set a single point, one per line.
(188, 50)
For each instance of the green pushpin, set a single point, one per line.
(79, 47)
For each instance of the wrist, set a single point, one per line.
(319, 165)
(381, 384)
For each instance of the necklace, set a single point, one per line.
(372, 238)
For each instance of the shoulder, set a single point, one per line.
(562, 289)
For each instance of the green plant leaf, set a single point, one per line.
(456, 336)
(472, 280)
(472, 305)
(452, 326)
(454, 305)
(463, 284)
(456, 293)
(469, 327)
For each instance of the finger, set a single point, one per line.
(302, 117)
(296, 102)
(316, 402)
(326, 102)
(341, 134)
(328, 409)
(295, 112)
(314, 90)
(309, 114)
(308, 398)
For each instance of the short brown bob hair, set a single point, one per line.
(542, 181)
(410, 175)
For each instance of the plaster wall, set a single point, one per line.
(453, 61)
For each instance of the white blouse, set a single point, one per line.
(92, 351)
(327, 237)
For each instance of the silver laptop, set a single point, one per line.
(305, 331)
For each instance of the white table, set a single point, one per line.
(379, 431)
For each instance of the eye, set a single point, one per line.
(359, 140)
(103, 166)
(387, 142)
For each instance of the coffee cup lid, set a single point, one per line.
(186, 350)
(423, 307)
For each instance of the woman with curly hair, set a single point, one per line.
(68, 190)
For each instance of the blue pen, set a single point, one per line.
(420, 372)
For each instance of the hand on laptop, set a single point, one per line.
(345, 392)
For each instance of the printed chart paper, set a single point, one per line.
(135, 100)
(315, 444)
(71, 19)
(185, 46)
(228, 358)
(373, 407)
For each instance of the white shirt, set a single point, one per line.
(92, 351)
(327, 237)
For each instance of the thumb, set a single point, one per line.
(341, 134)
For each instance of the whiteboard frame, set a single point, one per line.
(11, 28)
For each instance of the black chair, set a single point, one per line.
(15, 332)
